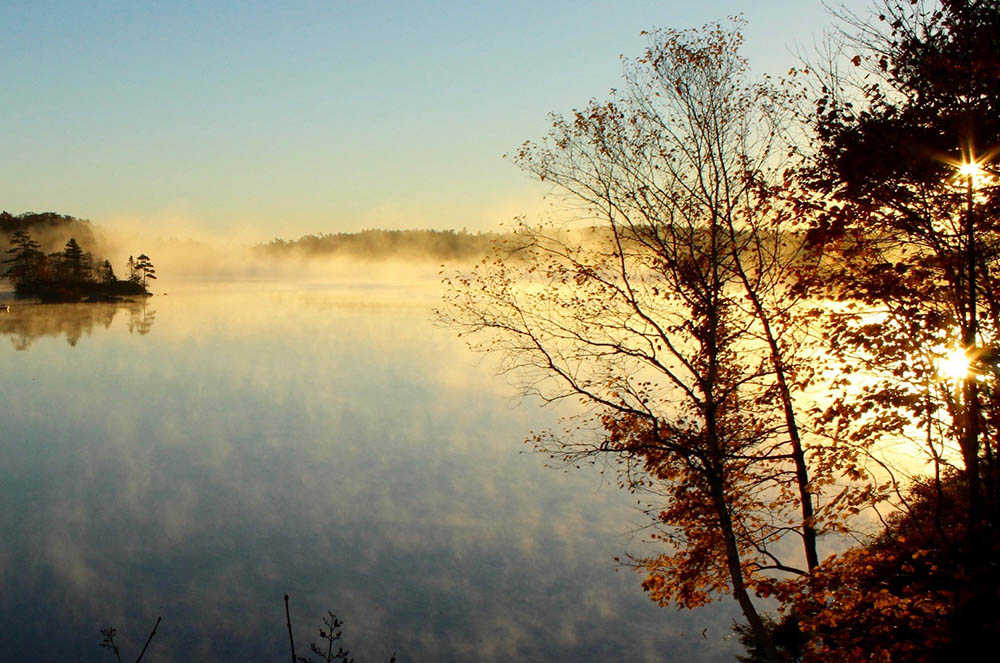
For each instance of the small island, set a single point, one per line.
(71, 275)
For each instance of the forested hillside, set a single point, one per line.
(51, 230)
(382, 244)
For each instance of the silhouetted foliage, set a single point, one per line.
(905, 595)
(331, 633)
(69, 275)
(106, 273)
(905, 216)
(787, 637)
(108, 642)
(74, 261)
(910, 239)
(144, 269)
(25, 257)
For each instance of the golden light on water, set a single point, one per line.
(955, 365)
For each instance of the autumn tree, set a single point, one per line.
(665, 309)
(903, 595)
(904, 217)
(906, 140)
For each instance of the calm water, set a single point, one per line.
(201, 454)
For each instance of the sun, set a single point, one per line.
(969, 169)
(955, 365)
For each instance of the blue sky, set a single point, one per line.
(275, 119)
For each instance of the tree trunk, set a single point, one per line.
(970, 390)
(795, 440)
(740, 593)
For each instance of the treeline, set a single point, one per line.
(382, 244)
(51, 230)
(72, 274)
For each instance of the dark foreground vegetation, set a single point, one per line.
(330, 634)
(816, 423)
(69, 275)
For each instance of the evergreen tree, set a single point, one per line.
(144, 268)
(25, 257)
(74, 261)
(107, 273)
(133, 273)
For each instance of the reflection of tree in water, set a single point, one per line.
(140, 318)
(27, 322)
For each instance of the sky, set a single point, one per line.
(278, 119)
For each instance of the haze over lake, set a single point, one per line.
(202, 453)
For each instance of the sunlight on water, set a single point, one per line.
(200, 454)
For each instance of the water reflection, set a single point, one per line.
(23, 323)
(327, 443)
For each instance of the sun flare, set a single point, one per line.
(969, 169)
(955, 365)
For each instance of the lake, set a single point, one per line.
(203, 453)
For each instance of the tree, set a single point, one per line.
(142, 269)
(909, 229)
(905, 221)
(75, 261)
(133, 274)
(788, 640)
(25, 258)
(71, 274)
(106, 273)
(901, 596)
(668, 315)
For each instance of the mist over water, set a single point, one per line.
(200, 454)
(187, 254)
